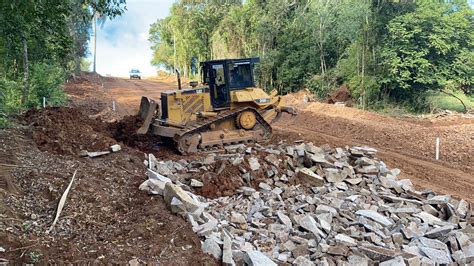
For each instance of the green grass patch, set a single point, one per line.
(443, 101)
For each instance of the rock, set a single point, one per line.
(238, 218)
(353, 181)
(469, 253)
(196, 183)
(326, 209)
(439, 232)
(412, 260)
(428, 218)
(440, 199)
(248, 191)
(375, 216)
(397, 261)
(2, 249)
(210, 159)
(357, 260)
(308, 223)
(227, 258)
(134, 262)
(153, 186)
(325, 220)
(154, 175)
(377, 253)
(172, 190)
(177, 206)
(254, 164)
(265, 186)
(302, 261)
(436, 255)
(284, 219)
(163, 169)
(463, 207)
(338, 250)
(308, 177)
(237, 161)
(97, 153)
(115, 148)
(333, 175)
(257, 258)
(300, 250)
(370, 170)
(211, 247)
(345, 240)
(272, 159)
(397, 238)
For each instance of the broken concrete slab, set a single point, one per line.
(196, 183)
(375, 216)
(171, 190)
(115, 148)
(211, 247)
(308, 223)
(345, 240)
(308, 177)
(257, 258)
(254, 164)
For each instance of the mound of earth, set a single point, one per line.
(64, 130)
(342, 94)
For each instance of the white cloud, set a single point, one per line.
(122, 43)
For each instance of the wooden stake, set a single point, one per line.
(437, 148)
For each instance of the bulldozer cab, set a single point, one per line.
(224, 76)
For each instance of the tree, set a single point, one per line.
(430, 47)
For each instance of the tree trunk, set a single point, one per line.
(26, 71)
(459, 99)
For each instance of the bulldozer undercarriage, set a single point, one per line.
(244, 125)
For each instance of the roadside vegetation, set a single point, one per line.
(411, 54)
(42, 44)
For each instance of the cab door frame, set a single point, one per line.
(220, 93)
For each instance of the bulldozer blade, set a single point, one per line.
(289, 110)
(146, 112)
(281, 110)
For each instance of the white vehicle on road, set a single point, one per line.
(135, 74)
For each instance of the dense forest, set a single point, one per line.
(42, 43)
(384, 51)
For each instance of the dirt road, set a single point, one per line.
(127, 93)
(405, 143)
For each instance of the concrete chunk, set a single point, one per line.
(227, 251)
(211, 247)
(345, 240)
(397, 261)
(254, 164)
(171, 190)
(308, 177)
(310, 224)
(257, 258)
(377, 217)
(302, 261)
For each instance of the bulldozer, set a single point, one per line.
(227, 109)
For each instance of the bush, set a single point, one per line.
(46, 81)
(322, 86)
(10, 100)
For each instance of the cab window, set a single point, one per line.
(240, 75)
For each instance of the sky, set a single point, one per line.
(122, 43)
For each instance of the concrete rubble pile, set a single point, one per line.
(317, 206)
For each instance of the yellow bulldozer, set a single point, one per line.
(228, 109)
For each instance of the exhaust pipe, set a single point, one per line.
(179, 78)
